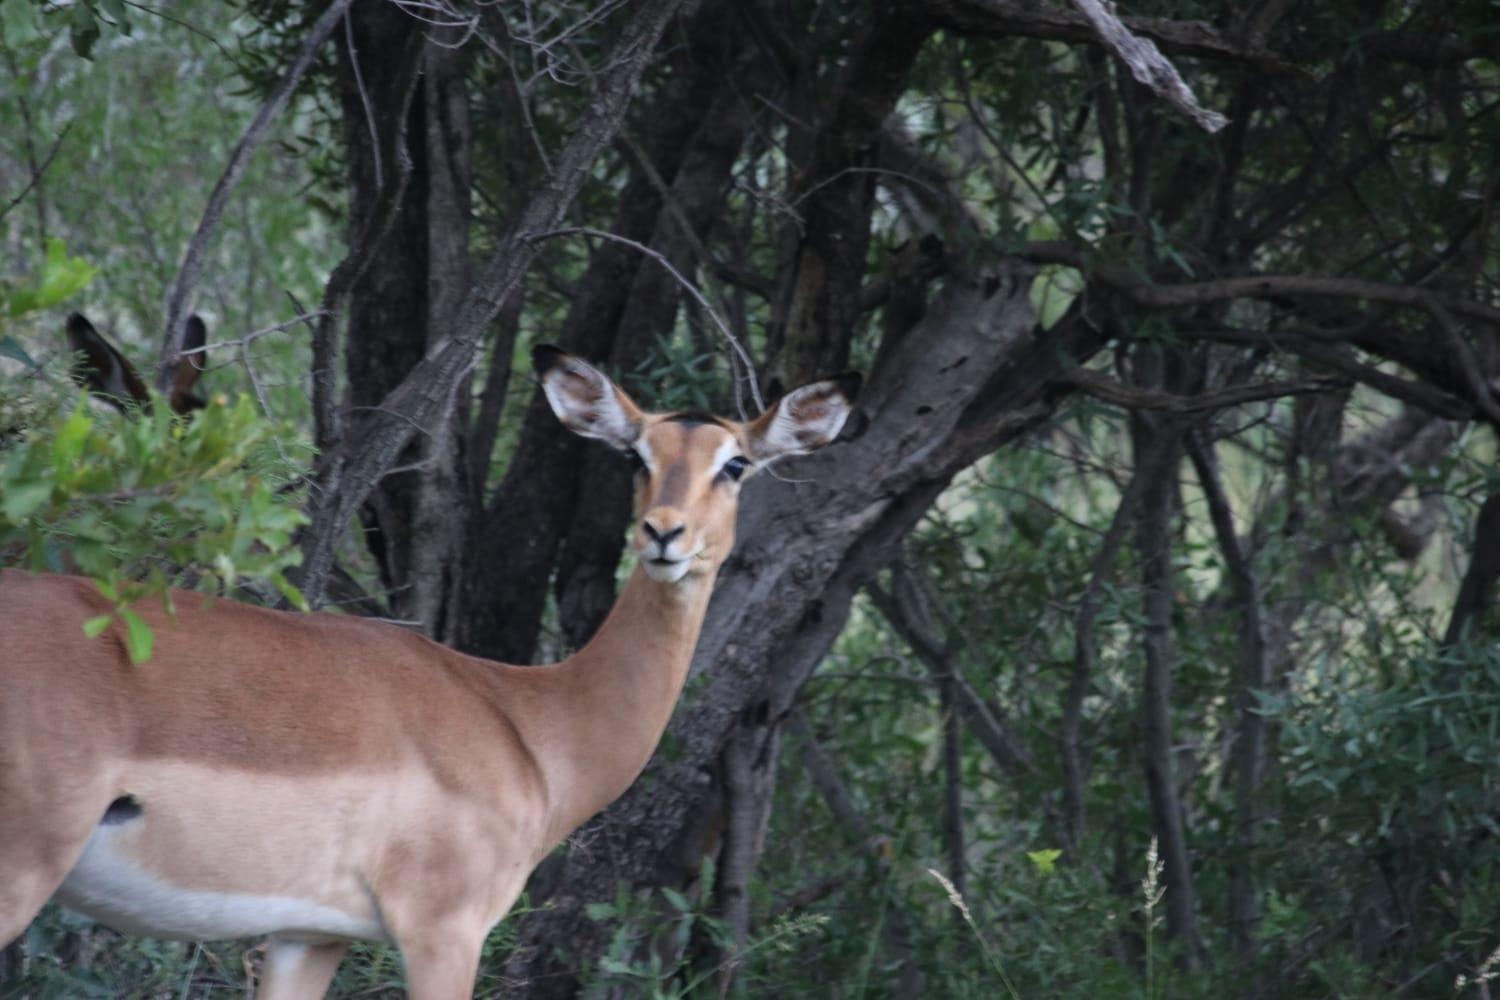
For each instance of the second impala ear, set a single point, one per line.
(102, 369)
(585, 399)
(804, 419)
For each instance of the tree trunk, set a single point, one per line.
(1158, 451)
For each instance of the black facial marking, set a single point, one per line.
(696, 417)
(121, 810)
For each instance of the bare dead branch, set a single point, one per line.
(1021, 19)
(1341, 358)
(1147, 64)
(692, 289)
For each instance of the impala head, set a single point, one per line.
(689, 466)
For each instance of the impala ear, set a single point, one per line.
(804, 419)
(189, 367)
(585, 399)
(102, 369)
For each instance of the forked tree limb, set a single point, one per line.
(192, 262)
(897, 607)
(363, 457)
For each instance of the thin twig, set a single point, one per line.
(692, 290)
(364, 100)
(36, 174)
(192, 263)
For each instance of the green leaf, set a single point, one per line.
(10, 348)
(67, 448)
(677, 899)
(138, 636)
(289, 590)
(83, 32)
(1045, 860)
(23, 498)
(599, 911)
(94, 627)
(62, 276)
(17, 22)
(118, 12)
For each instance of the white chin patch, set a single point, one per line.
(666, 572)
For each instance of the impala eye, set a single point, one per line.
(636, 462)
(736, 466)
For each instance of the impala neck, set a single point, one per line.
(615, 696)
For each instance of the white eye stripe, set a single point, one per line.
(729, 449)
(644, 450)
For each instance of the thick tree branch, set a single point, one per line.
(1136, 398)
(1255, 286)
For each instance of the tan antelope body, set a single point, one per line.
(319, 778)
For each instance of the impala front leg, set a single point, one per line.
(442, 961)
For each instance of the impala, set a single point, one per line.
(320, 779)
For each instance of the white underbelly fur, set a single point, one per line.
(105, 886)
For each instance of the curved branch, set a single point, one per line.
(1252, 286)
(1136, 398)
(1020, 19)
(255, 133)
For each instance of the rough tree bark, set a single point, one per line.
(405, 301)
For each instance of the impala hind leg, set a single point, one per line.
(298, 970)
(442, 963)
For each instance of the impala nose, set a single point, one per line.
(661, 536)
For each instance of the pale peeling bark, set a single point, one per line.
(1147, 64)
